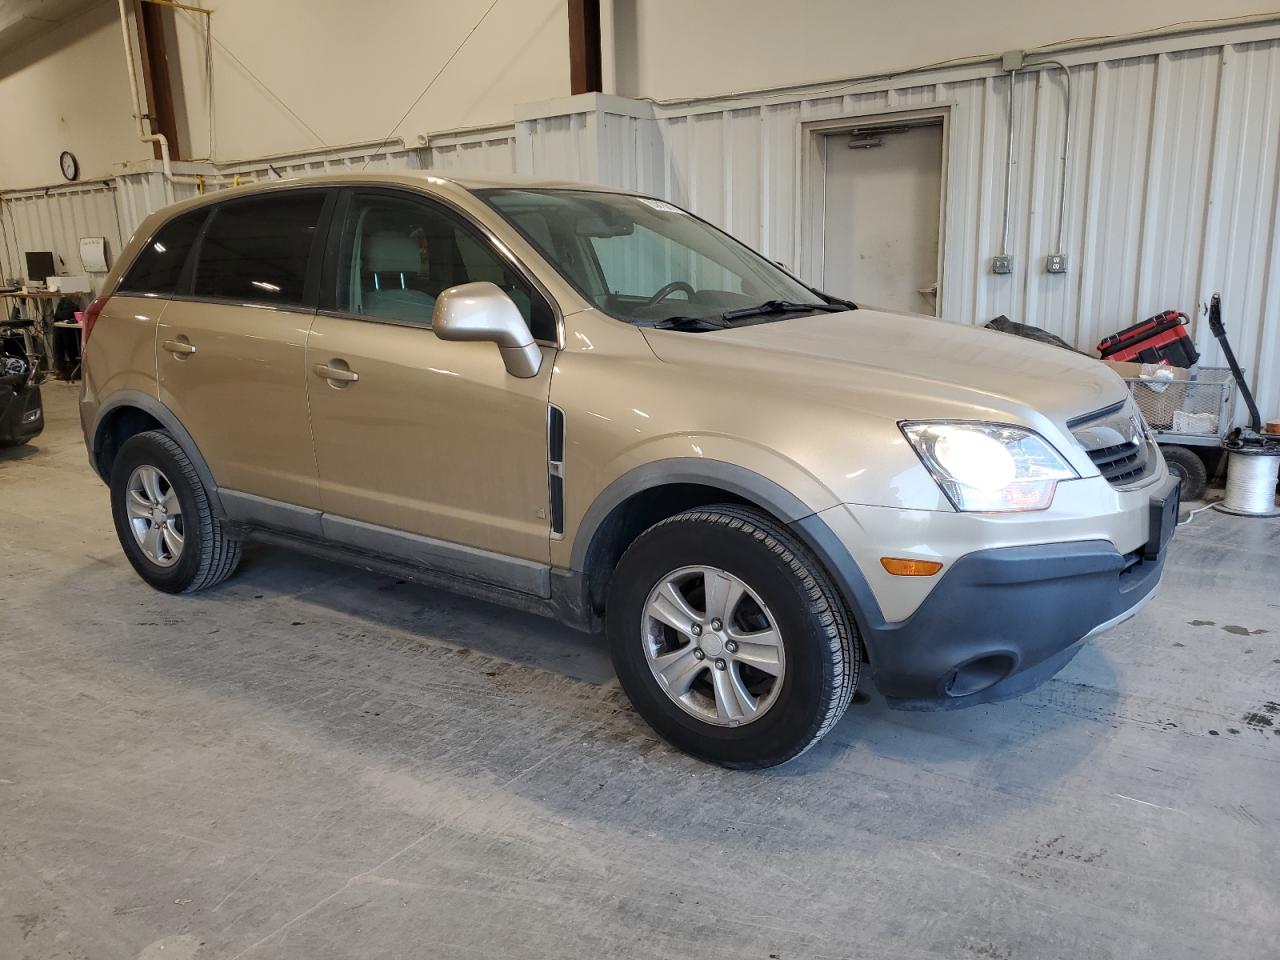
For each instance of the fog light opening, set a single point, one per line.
(977, 675)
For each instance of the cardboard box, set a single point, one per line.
(1157, 398)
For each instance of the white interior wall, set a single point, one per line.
(351, 82)
(67, 89)
(668, 49)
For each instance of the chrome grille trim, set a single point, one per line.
(1118, 442)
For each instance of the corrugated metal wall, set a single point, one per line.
(489, 152)
(55, 220)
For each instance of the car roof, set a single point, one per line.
(413, 178)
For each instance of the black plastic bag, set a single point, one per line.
(1004, 325)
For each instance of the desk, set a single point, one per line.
(68, 359)
(42, 301)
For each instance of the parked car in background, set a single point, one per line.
(21, 406)
(595, 405)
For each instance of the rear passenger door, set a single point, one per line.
(231, 345)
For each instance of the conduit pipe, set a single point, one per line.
(1060, 249)
(159, 138)
(1008, 166)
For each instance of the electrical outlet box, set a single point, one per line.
(1012, 60)
(1055, 263)
(1002, 264)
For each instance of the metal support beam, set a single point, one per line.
(156, 74)
(584, 46)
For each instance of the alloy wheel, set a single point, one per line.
(155, 515)
(713, 645)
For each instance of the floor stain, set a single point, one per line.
(989, 951)
(1028, 862)
(1240, 631)
(1259, 719)
(1202, 623)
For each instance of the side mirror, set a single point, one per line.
(481, 311)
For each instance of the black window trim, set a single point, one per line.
(310, 284)
(338, 228)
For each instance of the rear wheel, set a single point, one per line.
(163, 519)
(1189, 468)
(729, 639)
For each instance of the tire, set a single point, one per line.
(1187, 465)
(783, 586)
(207, 556)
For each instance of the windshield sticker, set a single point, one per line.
(660, 205)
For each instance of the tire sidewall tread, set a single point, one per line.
(209, 556)
(821, 642)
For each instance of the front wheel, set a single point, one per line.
(729, 639)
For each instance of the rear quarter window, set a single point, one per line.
(158, 267)
(257, 250)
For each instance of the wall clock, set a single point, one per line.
(70, 168)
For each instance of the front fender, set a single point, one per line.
(774, 484)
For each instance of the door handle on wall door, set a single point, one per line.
(180, 347)
(335, 375)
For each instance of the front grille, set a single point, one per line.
(1116, 441)
(1121, 463)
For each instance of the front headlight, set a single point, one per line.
(989, 467)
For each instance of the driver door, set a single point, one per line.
(427, 449)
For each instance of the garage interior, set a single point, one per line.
(312, 761)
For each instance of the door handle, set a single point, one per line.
(335, 375)
(179, 348)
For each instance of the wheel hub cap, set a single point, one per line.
(713, 646)
(155, 515)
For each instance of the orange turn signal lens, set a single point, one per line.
(901, 567)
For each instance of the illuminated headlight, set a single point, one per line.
(989, 467)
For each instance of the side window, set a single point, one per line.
(257, 250)
(159, 265)
(398, 254)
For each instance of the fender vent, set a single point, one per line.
(555, 468)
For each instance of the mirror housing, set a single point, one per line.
(481, 311)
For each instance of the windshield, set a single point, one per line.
(646, 261)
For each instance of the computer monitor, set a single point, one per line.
(40, 266)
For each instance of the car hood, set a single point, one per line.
(900, 365)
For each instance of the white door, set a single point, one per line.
(883, 195)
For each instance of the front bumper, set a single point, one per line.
(21, 411)
(1003, 619)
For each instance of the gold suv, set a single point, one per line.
(594, 405)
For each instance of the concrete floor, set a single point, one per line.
(311, 762)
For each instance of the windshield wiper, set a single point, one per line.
(780, 306)
(690, 323)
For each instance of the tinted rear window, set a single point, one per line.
(257, 250)
(159, 265)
